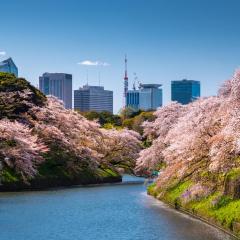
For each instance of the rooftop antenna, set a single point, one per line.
(87, 77)
(135, 79)
(99, 78)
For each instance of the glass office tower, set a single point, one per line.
(9, 66)
(58, 85)
(147, 97)
(185, 91)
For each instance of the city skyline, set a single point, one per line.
(164, 40)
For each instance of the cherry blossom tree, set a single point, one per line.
(43, 134)
(166, 116)
(20, 149)
(120, 147)
(201, 136)
(84, 139)
(156, 131)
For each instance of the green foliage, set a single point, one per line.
(204, 206)
(207, 177)
(58, 162)
(7, 143)
(128, 118)
(221, 202)
(128, 123)
(225, 211)
(129, 112)
(9, 83)
(233, 174)
(58, 165)
(135, 122)
(173, 194)
(146, 143)
(12, 108)
(108, 126)
(160, 166)
(51, 167)
(106, 172)
(103, 118)
(8, 175)
(216, 207)
(227, 214)
(151, 190)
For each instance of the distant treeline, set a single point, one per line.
(127, 118)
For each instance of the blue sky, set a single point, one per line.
(164, 40)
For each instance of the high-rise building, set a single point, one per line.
(93, 98)
(9, 66)
(185, 91)
(132, 99)
(58, 85)
(147, 97)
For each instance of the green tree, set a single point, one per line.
(135, 122)
(129, 112)
(17, 95)
(103, 118)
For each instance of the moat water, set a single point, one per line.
(111, 212)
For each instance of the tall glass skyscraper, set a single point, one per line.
(147, 97)
(185, 91)
(58, 85)
(93, 98)
(9, 66)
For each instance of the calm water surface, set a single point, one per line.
(120, 212)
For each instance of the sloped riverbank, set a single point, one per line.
(221, 213)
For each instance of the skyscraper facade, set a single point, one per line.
(132, 99)
(185, 91)
(93, 98)
(58, 85)
(147, 97)
(9, 66)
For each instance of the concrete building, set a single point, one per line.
(58, 85)
(147, 97)
(185, 91)
(93, 98)
(9, 66)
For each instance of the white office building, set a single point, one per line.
(93, 98)
(147, 97)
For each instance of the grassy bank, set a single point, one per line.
(51, 178)
(218, 210)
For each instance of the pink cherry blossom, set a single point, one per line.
(201, 136)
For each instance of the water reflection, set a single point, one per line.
(117, 212)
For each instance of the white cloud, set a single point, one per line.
(93, 63)
(2, 53)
